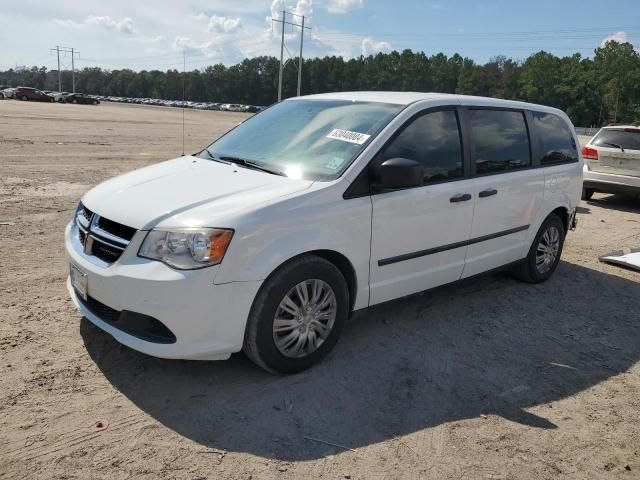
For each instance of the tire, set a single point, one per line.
(95, 102)
(260, 338)
(75, 101)
(529, 271)
(52, 100)
(587, 193)
(24, 98)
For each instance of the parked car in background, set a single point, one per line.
(9, 92)
(57, 96)
(272, 235)
(28, 93)
(612, 161)
(80, 98)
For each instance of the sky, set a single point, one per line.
(148, 35)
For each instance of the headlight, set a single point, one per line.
(187, 248)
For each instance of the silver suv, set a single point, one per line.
(612, 161)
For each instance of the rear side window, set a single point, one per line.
(433, 140)
(500, 139)
(629, 139)
(558, 144)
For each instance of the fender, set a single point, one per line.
(272, 236)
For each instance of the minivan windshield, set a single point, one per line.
(312, 139)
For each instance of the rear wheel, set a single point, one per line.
(297, 316)
(544, 254)
(587, 193)
(75, 100)
(23, 98)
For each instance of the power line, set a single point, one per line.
(176, 55)
(554, 33)
(200, 58)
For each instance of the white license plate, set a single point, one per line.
(79, 280)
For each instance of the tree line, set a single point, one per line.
(593, 91)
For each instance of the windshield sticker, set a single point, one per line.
(347, 136)
(335, 163)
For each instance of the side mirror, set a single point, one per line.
(400, 173)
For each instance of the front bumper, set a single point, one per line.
(208, 320)
(610, 183)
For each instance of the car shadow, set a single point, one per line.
(583, 210)
(479, 347)
(622, 203)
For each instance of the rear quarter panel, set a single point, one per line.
(563, 184)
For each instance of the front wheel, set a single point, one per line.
(24, 98)
(297, 316)
(544, 254)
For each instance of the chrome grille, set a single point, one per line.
(101, 237)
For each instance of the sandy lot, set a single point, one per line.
(489, 378)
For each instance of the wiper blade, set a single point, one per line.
(251, 164)
(213, 157)
(614, 145)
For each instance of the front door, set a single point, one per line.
(419, 235)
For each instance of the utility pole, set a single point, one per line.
(73, 72)
(284, 22)
(300, 57)
(184, 73)
(59, 75)
(284, 14)
(73, 53)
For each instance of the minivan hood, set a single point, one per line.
(156, 194)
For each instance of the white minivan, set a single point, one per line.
(268, 239)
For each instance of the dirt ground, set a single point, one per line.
(489, 378)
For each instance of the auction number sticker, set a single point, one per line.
(348, 136)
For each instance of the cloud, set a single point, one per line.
(243, 6)
(371, 47)
(189, 45)
(299, 7)
(223, 24)
(208, 51)
(67, 23)
(620, 37)
(343, 6)
(124, 25)
(304, 7)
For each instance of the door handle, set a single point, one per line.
(460, 197)
(488, 193)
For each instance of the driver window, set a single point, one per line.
(434, 141)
